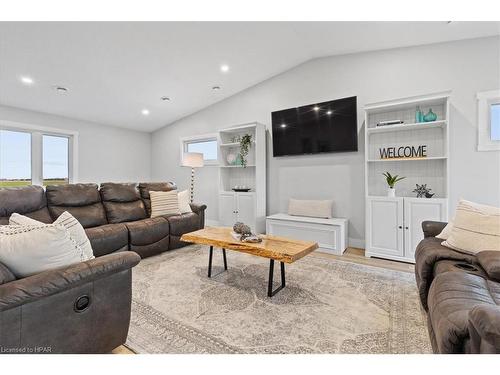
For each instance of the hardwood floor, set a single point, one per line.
(357, 255)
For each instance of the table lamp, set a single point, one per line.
(193, 160)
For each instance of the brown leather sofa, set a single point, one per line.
(85, 308)
(461, 294)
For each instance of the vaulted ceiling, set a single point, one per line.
(114, 70)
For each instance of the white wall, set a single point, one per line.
(465, 67)
(105, 153)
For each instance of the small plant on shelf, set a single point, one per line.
(391, 181)
(245, 144)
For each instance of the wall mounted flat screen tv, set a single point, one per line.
(316, 128)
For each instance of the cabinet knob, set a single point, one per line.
(406, 227)
(400, 227)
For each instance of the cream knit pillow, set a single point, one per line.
(75, 229)
(30, 249)
(476, 228)
(164, 203)
(184, 206)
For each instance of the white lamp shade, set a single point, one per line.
(192, 159)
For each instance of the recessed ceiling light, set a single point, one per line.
(328, 112)
(224, 68)
(215, 88)
(165, 98)
(27, 80)
(61, 89)
(316, 108)
(145, 112)
(283, 125)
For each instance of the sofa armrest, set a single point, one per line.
(432, 228)
(6, 276)
(199, 209)
(35, 287)
(484, 329)
(490, 261)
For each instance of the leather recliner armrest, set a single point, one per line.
(197, 208)
(432, 228)
(35, 287)
(484, 329)
(490, 261)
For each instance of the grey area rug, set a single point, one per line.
(328, 306)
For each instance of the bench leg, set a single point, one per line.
(270, 291)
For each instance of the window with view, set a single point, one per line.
(488, 119)
(15, 158)
(55, 160)
(38, 156)
(495, 121)
(207, 145)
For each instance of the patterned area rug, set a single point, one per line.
(328, 306)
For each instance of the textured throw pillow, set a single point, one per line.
(476, 228)
(164, 203)
(75, 229)
(184, 206)
(30, 249)
(321, 209)
(445, 233)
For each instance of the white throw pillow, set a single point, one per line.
(31, 249)
(445, 233)
(164, 203)
(184, 206)
(73, 226)
(476, 228)
(311, 208)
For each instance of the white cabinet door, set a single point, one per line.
(418, 210)
(245, 207)
(227, 209)
(385, 227)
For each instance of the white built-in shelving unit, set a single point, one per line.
(248, 207)
(393, 225)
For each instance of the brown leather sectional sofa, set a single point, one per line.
(115, 216)
(461, 294)
(85, 308)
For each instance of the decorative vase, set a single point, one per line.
(391, 193)
(238, 160)
(418, 115)
(231, 158)
(430, 116)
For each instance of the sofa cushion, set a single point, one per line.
(185, 223)
(83, 201)
(146, 187)
(451, 297)
(26, 200)
(148, 231)
(122, 202)
(108, 238)
(448, 265)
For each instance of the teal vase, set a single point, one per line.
(430, 116)
(418, 115)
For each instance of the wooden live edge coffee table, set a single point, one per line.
(281, 249)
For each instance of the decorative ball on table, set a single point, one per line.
(241, 228)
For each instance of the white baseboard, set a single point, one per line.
(211, 223)
(356, 242)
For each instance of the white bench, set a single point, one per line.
(330, 234)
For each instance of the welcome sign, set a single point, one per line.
(403, 152)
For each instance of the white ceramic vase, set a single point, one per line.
(391, 192)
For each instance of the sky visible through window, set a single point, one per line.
(15, 156)
(495, 122)
(207, 148)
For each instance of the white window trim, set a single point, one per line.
(36, 143)
(484, 100)
(198, 138)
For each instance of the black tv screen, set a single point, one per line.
(316, 128)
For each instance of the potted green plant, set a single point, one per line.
(245, 144)
(391, 181)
